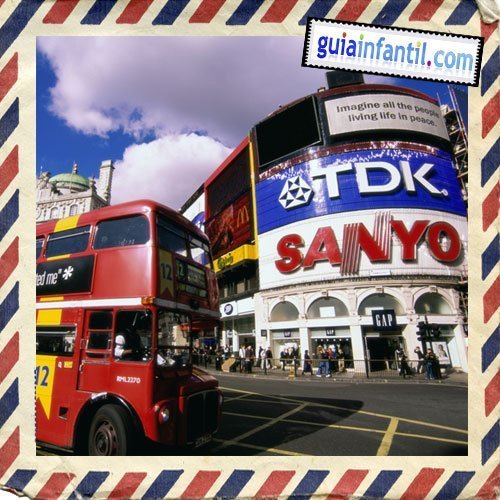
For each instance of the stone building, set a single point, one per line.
(68, 194)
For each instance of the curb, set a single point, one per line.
(312, 379)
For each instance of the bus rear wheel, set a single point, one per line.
(110, 432)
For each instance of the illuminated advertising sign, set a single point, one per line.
(384, 111)
(230, 228)
(374, 179)
(364, 244)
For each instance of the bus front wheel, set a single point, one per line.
(110, 432)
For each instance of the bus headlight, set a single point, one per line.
(164, 415)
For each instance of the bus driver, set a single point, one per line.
(127, 345)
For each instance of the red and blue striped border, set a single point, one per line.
(479, 477)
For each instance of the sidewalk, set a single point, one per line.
(451, 378)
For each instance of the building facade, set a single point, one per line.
(68, 194)
(340, 222)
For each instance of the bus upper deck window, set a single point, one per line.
(171, 237)
(122, 232)
(69, 241)
(39, 246)
(200, 251)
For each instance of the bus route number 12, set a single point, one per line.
(41, 376)
(166, 271)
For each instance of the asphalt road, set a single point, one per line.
(323, 417)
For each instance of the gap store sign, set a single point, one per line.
(359, 180)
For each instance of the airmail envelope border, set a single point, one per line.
(476, 475)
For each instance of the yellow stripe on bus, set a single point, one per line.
(68, 223)
(51, 317)
(51, 299)
(59, 257)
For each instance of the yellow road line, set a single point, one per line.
(348, 428)
(363, 412)
(431, 438)
(385, 445)
(238, 390)
(271, 421)
(262, 448)
(241, 396)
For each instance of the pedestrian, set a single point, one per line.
(430, 360)
(323, 366)
(241, 355)
(269, 357)
(307, 368)
(404, 368)
(258, 363)
(283, 359)
(420, 356)
(249, 358)
(341, 358)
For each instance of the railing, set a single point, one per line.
(334, 368)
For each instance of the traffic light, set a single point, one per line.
(422, 331)
(435, 331)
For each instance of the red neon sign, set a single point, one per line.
(442, 240)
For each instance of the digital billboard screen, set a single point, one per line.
(229, 184)
(230, 228)
(290, 130)
(371, 179)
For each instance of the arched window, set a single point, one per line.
(327, 307)
(380, 301)
(73, 209)
(284, 311)
(54, 213)
(432, 303)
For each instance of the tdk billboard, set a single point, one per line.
(359, 180)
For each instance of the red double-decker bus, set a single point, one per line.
(120, 292)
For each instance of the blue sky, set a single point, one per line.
(163, 106)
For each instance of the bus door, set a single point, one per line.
(96, 351)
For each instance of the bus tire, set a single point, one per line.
(110, 432)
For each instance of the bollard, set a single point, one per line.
(292, 372)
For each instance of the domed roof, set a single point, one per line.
(70, 180)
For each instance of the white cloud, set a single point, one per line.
(219, 85)
(167, 170)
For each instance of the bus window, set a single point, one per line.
(69, 241)
(171, 237)
(133, 332)
(199, 251)
(39, 246)
(58, 341)
(122, 232)
(174, 331)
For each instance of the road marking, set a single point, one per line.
(385, 445)
(431, 438)
(241, 396)
(363, 412)
(348, 428)
(271, 421)
(263, 448)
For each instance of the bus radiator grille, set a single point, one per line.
(201, 414)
